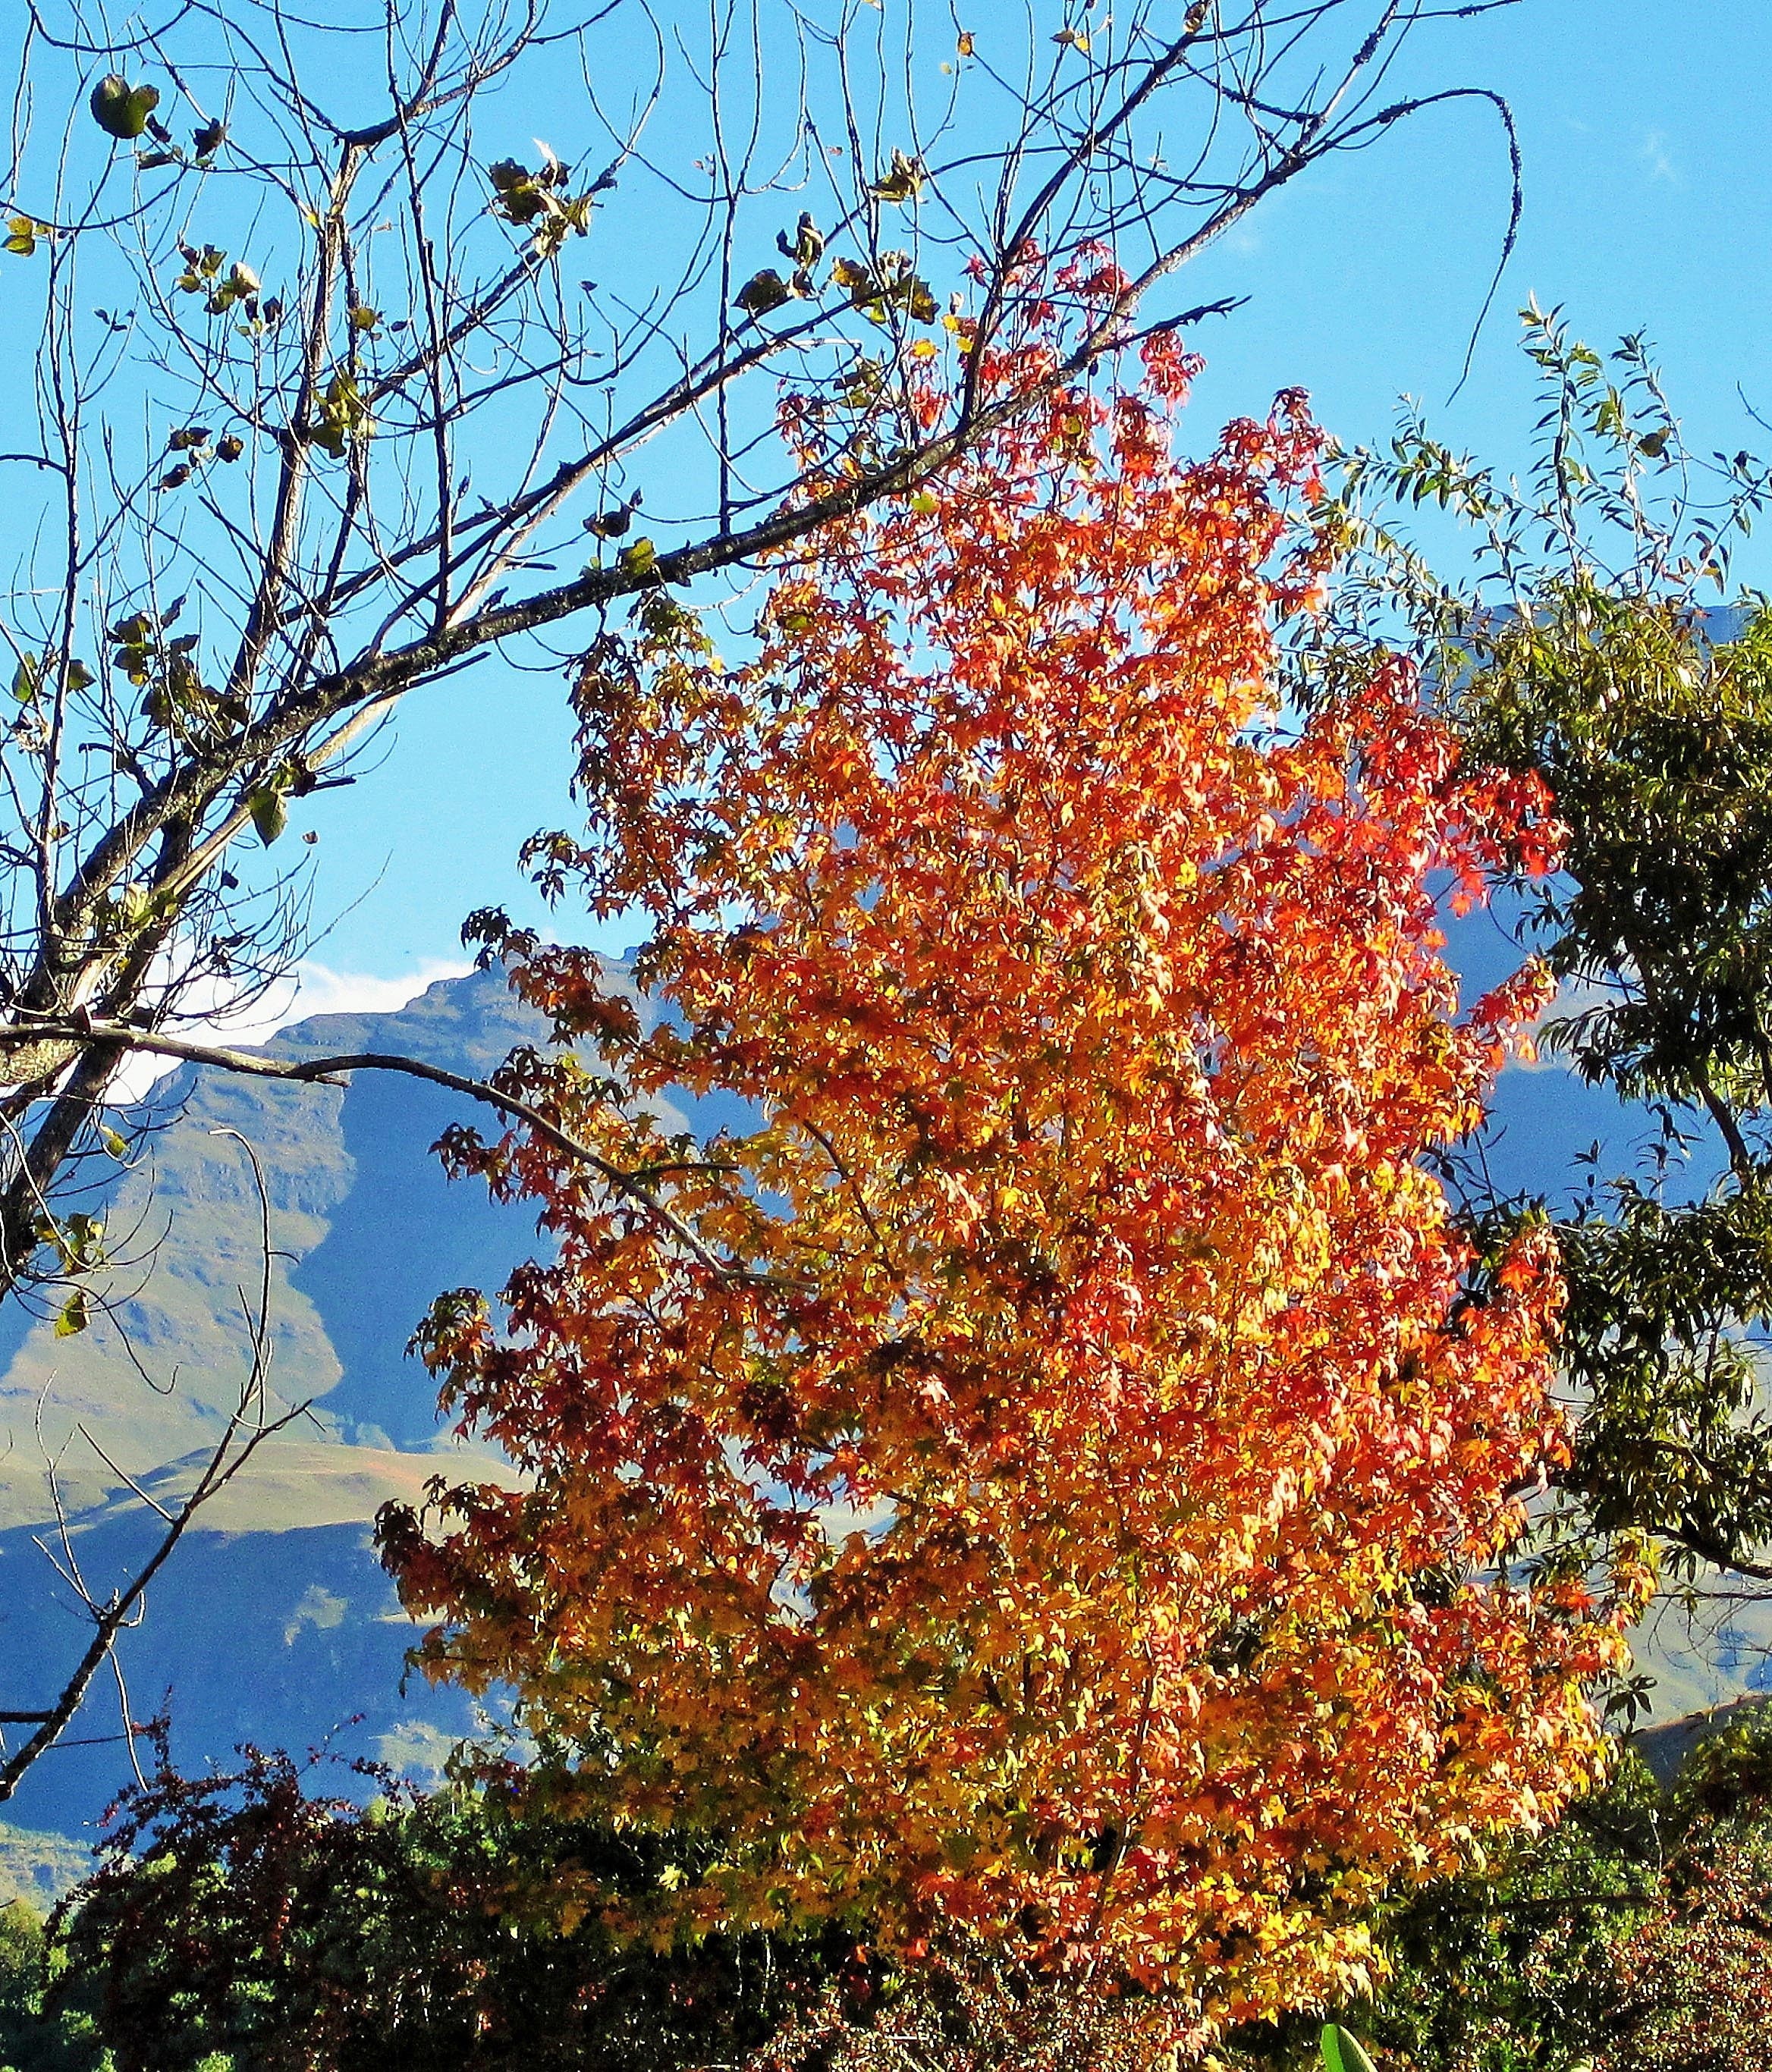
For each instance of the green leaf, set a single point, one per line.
(807, 246)
(902, 179)
(340, 416)
(764, 292)
(112, 1143)
(270, 814)
(73, 1318)
(1342, 2052)
(122, 110)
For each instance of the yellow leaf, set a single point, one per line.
(901, 181)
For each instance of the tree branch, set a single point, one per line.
(332, 1070)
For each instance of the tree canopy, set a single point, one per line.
(1053, 1466)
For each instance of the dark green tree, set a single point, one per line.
(258, 1926)
(32, 2039)
(1598, 642)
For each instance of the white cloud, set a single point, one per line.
(312, 989)
(1573, 997)
(1659, 159)
(319, 989)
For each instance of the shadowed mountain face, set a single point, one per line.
(273, 1623)
(279, 1632)
(401, 1235)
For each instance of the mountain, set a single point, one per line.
(365, 1230)
(273, 1623)
(37, 1868)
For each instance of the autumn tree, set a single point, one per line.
(330, 380)
(1049, 1466)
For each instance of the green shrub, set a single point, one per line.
(65, 2040)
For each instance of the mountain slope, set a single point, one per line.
(273, 1622)
(274, 1625)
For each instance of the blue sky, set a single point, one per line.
(1645, 133)
(1648, 205)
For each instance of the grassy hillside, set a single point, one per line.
(38, 1867)
(364, 1230)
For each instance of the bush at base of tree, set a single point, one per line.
(32, 2038)
(263, 1930)
(242, 1923)
(242, 1920)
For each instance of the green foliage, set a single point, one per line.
(540, 201)
(1581, 652)
(122, 110)
(1342, 2051)
(1511, 1969)
(1696, 1977)
(31, 2040)
(1673, 1436)
(1656, 740)
(341, 415)
(23, 235)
